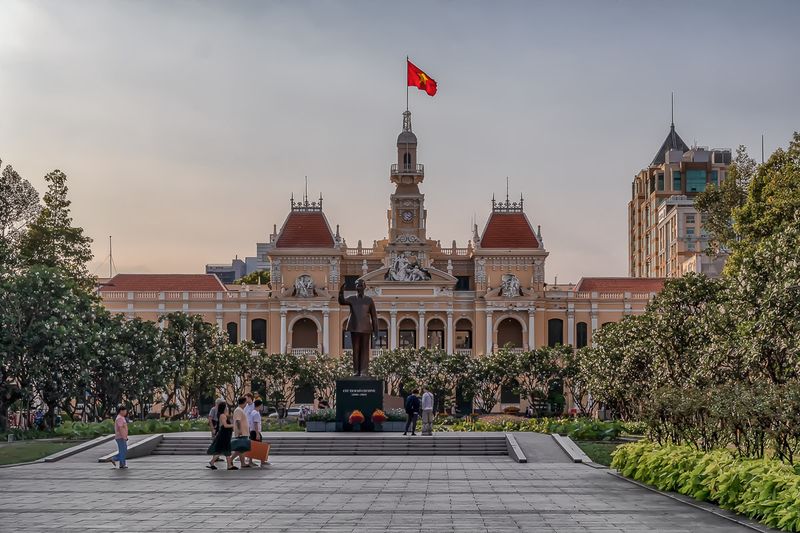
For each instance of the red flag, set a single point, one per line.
(417, 78)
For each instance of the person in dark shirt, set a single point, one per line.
(412, 412)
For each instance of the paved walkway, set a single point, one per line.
(339, 494)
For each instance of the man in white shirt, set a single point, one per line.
(427, 412)
(250, 406)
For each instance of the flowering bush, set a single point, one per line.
(356, 417)
(396, 415)
(322, 415)
(378, 417)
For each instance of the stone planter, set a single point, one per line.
(316, 425)
(330, 426)
(377, 427)
(393, 425)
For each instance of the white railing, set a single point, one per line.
(360, 251)
(464, 351)
(304, 352)
(455, 251)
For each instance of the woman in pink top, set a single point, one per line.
(121, 437)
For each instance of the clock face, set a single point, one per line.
(408, 216)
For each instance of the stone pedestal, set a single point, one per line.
(358, 392)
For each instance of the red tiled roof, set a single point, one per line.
(164, 282)
(508, 230)
(620, 284)
(305, 230)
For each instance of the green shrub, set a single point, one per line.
(576, 428)
(396, 415)
(90, 430)
(322, 415)
(767, 490)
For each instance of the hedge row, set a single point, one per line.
(767, 490)
(576, 428)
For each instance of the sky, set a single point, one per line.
(184, 127)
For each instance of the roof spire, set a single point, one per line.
(506, 189)
(305, 196)
(672, 109)
(406, 120)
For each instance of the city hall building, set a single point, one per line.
(472, 298)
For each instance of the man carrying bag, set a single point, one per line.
(241, 433)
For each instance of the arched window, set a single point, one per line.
(304, 334)
(407, 161)
(407, 333)
(258, 327)
(509, 332)
(435, 334)
(463, 335)
(233, 332)
(381, 339)
(555, 332)
(581, 335)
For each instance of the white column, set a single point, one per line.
(326, 343)
(282, 346)
(571, 326)
(489, 339)
(220, 324)
(421, 330)
(450, 333)
(243, 322)
(532, 328)
(393, 329)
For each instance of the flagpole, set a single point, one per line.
(406, 83)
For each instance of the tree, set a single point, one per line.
(773, 200)
(51, 240)
(46, 334)
(764, 303)
(259, 277)
(535, 370)
(281, 374)
(192, 355)
(576, 382)
(487, 375)
(239, 364)
(718, 203)
(19, 206)
(394, 367)
(323, 372)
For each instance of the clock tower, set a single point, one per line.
(407, 205)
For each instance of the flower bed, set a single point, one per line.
(575, 428)
(762, 489)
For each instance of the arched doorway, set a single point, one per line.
(555, 332)
(407, 333)
(463, 334)
(258, 331)
(304, 334)
(435, 337)
(233, 332)
(509, 332)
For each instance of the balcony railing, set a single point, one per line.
(304, 352)
(411, 170)
(464, 351)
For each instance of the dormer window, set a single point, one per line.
(407, 161)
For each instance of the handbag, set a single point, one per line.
(240, 444)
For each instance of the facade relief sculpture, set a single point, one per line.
(304, 287)
(405, 267)
(509, 286)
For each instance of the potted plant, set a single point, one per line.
(318, 420)
(356, 419)
(378, 418)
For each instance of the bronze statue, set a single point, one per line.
(362, 325)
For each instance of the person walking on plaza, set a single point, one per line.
(213, 417)
(250, 403)
(121, 437)
(412, 412)
(254, 421)
(221, 445)
(241, 430)
(427, 412)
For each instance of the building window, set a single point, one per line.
(304, 334)
(715, 177)
(435, 334)
(509, 332)
(258, 328)
(463, 283)
(695, 180)
(555, 332)
(690, 219)
(407, 161)
(381, 340)
(689, 232)
(233, 332)
(463, 335)
(660, 181)
(676, 180)
(407, 334)
(582, 335)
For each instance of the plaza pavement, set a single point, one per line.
(341, 494)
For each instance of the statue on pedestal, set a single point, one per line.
(362, 325)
